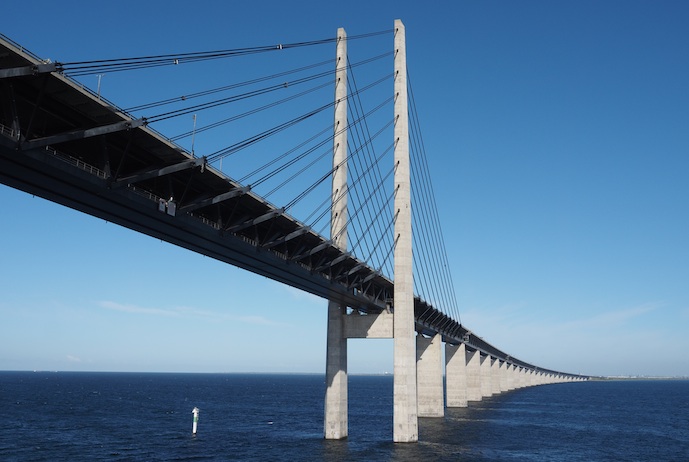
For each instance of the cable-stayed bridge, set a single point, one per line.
(66, 143)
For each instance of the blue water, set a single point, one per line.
(120, 417)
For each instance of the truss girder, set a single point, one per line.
(288, 237)
(190, 207)
(255, 221)
(161, 171)
(33, 69)
(53, 140)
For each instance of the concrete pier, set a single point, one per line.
(429, 376)
(455, 375)
(510, 376)
(495, 377)
(336, 395)
(486, 382)
(473, 369)
(504, 376)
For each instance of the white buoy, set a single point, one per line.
(195, 411)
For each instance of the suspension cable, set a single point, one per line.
(436, 230)
(233, 86)
(81, 68)
(368, 169)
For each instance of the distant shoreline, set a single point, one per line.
(372, 374)
(639, 378)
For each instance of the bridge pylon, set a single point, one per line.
(335, 420)
(399, 325)
(405, 413)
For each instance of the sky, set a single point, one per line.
(558, 141)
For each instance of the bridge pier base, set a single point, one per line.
(510, 376)
(473, 359)
(429, 376)
(504, 377)
(486, 376)
(455, 375)
(527, 378)
(495, 377)
(335, 422)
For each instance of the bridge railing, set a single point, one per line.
(8, 131)
(61, 155)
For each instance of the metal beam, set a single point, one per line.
(369, 277)
(316, 249)
(215, 199)
(334, 261)
(288, 237)
(265, 217)
(185, 165)
(33, 69)
(358, 267)
(82, 134)
(365, 280)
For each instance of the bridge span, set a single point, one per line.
(61, 141)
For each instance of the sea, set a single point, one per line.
(85, 416)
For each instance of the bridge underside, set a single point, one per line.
(61, 142)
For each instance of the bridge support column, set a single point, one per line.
(335, 420)
(336, 394)
(509, 372)
(495, 377)
(405, 417)
(473, 361)
(486, 382)
(528, 378)
(504, 377)
(455, 375)
(517, 375)
(429, 376)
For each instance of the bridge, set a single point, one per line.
(62, 141)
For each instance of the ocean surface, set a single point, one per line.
(69, 416)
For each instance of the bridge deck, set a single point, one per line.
(62, 142)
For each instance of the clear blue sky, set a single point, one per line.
(558, 139)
